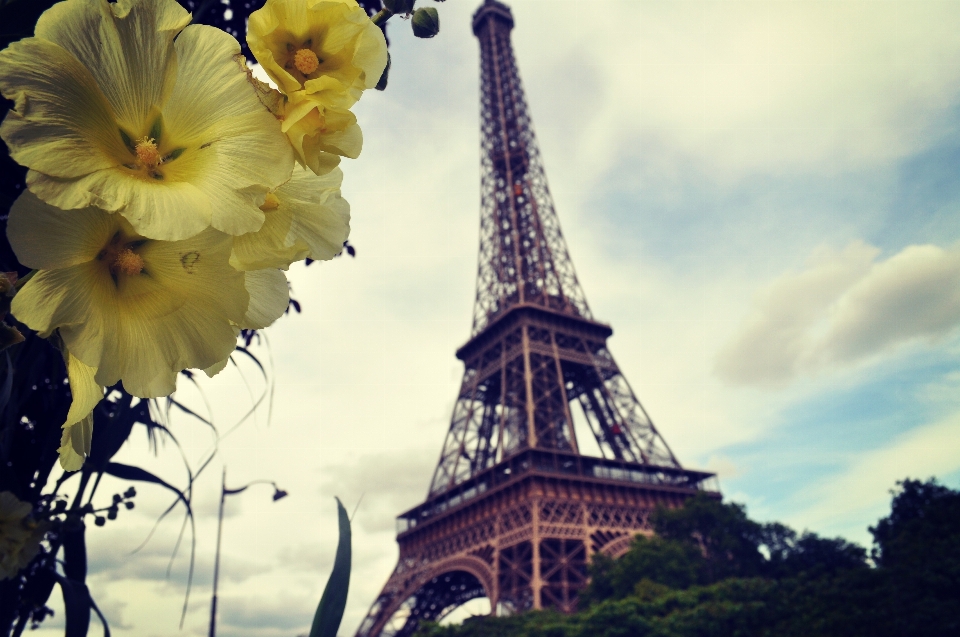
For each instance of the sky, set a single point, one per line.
(760, 199)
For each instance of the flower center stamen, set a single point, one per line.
(270, 202)
(306, 61)
(148, 153)
(127, 262)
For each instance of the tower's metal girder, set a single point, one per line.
(523, 256)
(514, 510)
(536, 354)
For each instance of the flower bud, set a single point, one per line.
(426, 22)
(398, 6)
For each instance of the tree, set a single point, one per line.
(917, 549)
(728, 540)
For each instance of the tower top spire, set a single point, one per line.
(523, 258)
(491, 9)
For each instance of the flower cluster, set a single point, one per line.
(322, 54)
(164, 199)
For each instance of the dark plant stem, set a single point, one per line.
(216, 562)
(21, 624)
(84, 479)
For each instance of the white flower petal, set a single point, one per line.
(127, 46)
(84, 388)
(61, 123)
(55, 298)
(74, 446)
(43, 237)
(269, 298)
(215, 109)
(216, 368)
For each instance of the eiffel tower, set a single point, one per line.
(515, 511)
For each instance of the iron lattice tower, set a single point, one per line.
(514, 510)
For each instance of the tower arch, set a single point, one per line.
(435, 591)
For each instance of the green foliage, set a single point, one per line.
(728, 540)
(712, 572)
(814, 555)
(326, 621)
(657, 561)
(922, 518)
(918, 548)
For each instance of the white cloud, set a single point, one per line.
(384, 484)
(739, 86)
(915, 293)
(842, 309)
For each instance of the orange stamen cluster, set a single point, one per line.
(127, 262)
(148, 153)
(306, 61)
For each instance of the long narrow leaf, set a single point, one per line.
(188, 411)
(326, 621)
(103, 620)
(76, 603)
(253, 357)
(129, 472)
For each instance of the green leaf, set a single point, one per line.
(330, 611)
(103, 620)
(128, 472)
(76, 603)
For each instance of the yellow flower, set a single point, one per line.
(320, 134)
(124, 107)
(318, 46)
(19, 535)
(133, 309)
(306, 218)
